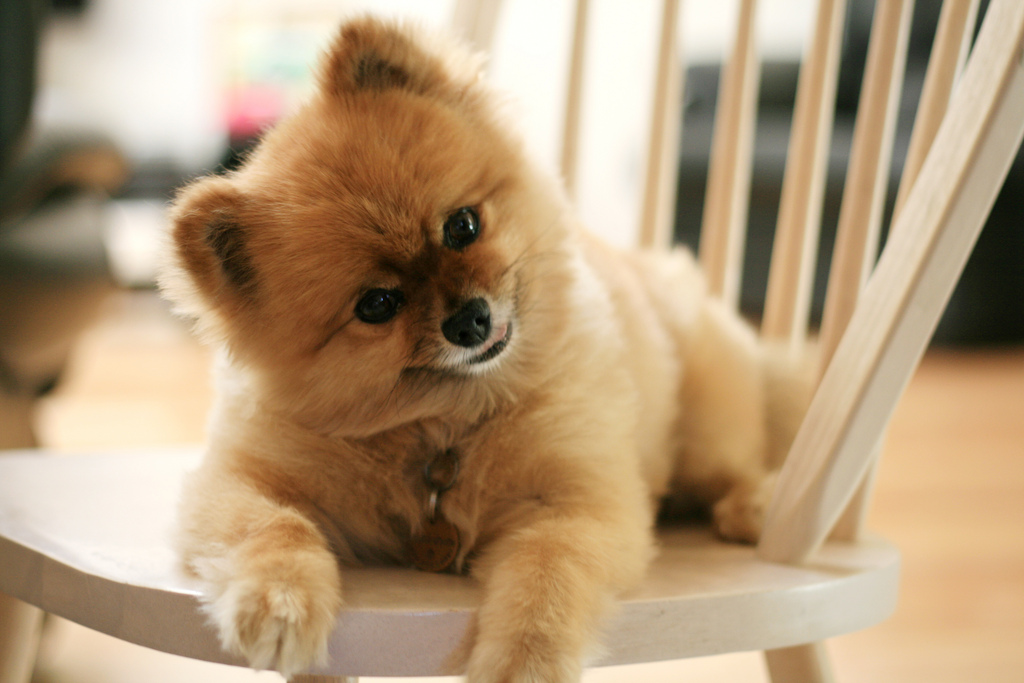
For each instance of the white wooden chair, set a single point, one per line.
(86, 537)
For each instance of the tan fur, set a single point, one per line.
(622, 384)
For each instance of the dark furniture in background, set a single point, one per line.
(988, 304)
(54, 190)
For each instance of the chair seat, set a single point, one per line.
(88, 537)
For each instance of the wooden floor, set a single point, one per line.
(950, 493)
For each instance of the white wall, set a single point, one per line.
(152, 74)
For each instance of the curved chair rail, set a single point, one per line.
(89, 538)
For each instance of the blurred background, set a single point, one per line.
(108, 106)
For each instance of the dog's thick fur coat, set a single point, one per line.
(602, 383)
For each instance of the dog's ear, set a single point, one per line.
(370, 54)
(210, 243)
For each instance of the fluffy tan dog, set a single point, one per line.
(428, 362)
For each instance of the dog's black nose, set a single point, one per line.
(470, 326)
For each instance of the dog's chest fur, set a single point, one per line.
(386, 496)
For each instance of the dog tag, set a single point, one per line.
(435, 549)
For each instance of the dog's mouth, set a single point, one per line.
(494, 346)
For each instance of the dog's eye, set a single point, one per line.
(379, 305)
(461, 228)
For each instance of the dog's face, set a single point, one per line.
(386, 241)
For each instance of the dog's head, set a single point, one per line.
(384, 248)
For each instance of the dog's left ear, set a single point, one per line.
(374, 55)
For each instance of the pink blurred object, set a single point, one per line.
(252, 108)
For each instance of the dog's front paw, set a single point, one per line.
(278, 612)
(524, 662)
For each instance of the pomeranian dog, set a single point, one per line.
(426, 361)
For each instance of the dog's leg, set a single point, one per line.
(549, 587)
(271, 584)
(742, 402)
(721, 443)
(549, 582)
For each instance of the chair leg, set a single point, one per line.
(800, 664)
(20, 626)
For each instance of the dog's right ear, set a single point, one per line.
(210, 246)
(369, 54)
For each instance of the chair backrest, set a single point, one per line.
(877, 318)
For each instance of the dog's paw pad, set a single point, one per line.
(739, 516)
(737, 520)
